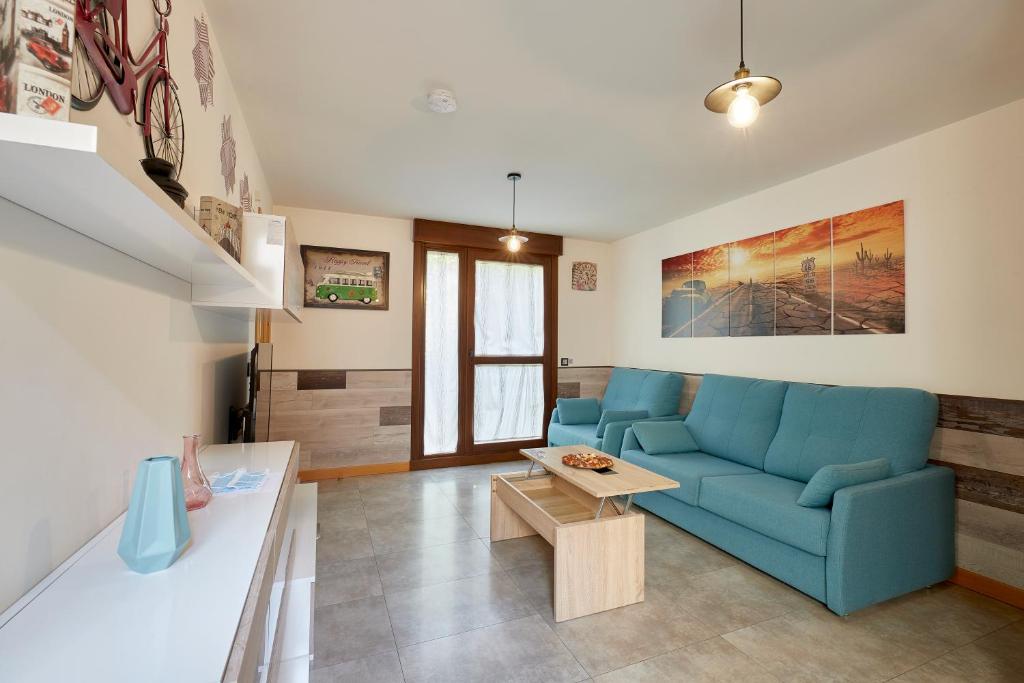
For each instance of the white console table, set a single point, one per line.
(237, 605)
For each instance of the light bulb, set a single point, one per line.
(744, 108)
(513, 243)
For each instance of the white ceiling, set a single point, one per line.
(599, 103)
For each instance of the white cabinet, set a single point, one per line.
(270, 253)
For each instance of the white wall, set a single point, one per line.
(351, 339)
(354, 339)
(964, 239)
(104, 362)
(585, 318)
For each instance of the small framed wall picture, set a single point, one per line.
(345, 278)
(584, 276)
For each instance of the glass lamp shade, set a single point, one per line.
(197, 487)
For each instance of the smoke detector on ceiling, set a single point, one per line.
(442, 101)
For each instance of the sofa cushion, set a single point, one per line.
(578, 411)
(571, 435)
(656, 392)
(686, 468)
(830, 478)
(609, 416)
(659, 438)
(767, 504)
(839, 425)
(736, 417)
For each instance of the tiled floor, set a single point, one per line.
(410, 588)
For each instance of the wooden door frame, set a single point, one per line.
(463, 239)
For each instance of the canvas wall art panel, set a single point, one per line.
(711, 286)
(752, 275)
(803, 279)
(584, 276)
(677, 295)
(345, 278)
(869, 271)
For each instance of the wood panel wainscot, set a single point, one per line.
(346, 420)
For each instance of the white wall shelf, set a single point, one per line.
(54, 169)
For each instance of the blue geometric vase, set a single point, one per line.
(156, 530)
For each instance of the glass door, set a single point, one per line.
(483, 356)
(507, 354)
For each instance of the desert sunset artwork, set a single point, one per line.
(677, 296)
(752, 275)
(840, 275)
(803, 279)
(711, 285)
(869, 271)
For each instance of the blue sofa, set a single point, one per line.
(655, 393)
(761, 441)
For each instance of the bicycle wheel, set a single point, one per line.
(87, 85)
(165, 124)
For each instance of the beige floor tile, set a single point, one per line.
(736, 597)
(480, 521)
(611, 640)
(390, 538)
(400, 510)
(351, 630)
(449, 608)
(673, 557)
(341, 546)
(417, 567)
(382, 668)
(521, 650)
(709, 660)
(994, 658)
(333, 485)
(334, 520)
(936, 620)
(348, 580)
(536, 583)
(516, 552)
(339, 500)
(814, 644)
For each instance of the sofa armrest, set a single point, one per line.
(615, 432)
(554, 416)
(890, 537)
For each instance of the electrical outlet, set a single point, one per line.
(564, 362)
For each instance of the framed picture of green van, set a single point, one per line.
(345, 278)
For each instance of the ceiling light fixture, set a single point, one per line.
(442, 101)
(741, 98)
(513, 241)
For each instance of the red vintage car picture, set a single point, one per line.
(49, 57)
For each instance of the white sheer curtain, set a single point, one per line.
(508, 400)
(441, 357)
(509, 309)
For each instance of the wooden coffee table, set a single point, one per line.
(599, 547)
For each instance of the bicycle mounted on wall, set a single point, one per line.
(102, 36)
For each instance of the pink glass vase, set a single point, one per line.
(197, 486)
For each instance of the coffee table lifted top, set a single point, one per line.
(625, 479)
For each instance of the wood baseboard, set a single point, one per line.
(353, 471)
(435, 461)
(1003, 592)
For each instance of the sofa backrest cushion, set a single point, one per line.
(736, 417)
(838, 425)
(656, 392)
(578, 411)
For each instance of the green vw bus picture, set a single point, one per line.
(348, 287)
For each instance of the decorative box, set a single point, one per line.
(37, 39)
(223, 222)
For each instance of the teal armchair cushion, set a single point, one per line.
(839, 425)
(736, 417)
(656, 392)
(570, 435)
(609, 416)
(615, 432)
(578, 411)
(819, 490)
(659, 438)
